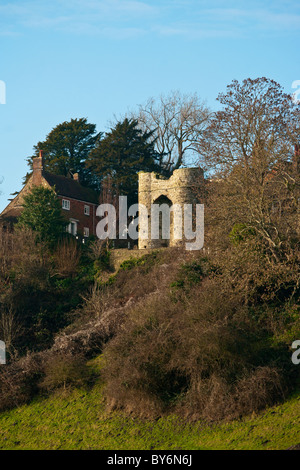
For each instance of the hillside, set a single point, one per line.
(79, 420)
(163, 354)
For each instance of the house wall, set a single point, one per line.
(76, 212)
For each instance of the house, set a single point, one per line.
(78, 204)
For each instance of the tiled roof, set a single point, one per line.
(70, 188)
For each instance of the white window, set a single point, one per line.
(86, 232)
(87, 210)
(72, 227)
(66, 204)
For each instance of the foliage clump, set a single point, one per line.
(64, 370)
(42, 214)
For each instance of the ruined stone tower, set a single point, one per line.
(181, 188)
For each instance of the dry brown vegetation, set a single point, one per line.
(101, 316)
(180, 333)
(66, 258)
(199, 352)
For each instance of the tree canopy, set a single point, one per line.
(250, 147)
(257, 119)
(66, 149)
(177, 121)
(121, 154)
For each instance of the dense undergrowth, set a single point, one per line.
(199, 337)
(205, 348)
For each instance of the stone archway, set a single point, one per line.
(164, 242)
(178, 190)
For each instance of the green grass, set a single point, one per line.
(78, 420)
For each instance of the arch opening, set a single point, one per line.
(164, 241)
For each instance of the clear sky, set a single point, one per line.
(64, 59)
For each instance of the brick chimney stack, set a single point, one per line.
(37, 166)
(76, 177)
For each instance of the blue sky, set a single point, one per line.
(100, 58)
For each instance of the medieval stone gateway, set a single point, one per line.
(181, 188)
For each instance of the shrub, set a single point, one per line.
(18, 381)
(241, 232)
(66, 258)
(31, 277)
(99, 253)
(64, 369)
(147, 261)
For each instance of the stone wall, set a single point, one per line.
(118, 256)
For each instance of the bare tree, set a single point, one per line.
(10, 328)
(251, 146)
(178, 121)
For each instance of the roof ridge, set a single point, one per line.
(71, 188)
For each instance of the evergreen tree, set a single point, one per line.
(42, 214)
(66, 149)
(121, 154)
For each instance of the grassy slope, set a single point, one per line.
(78, 420)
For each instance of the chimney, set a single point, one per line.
(76, 177)
(37, 165)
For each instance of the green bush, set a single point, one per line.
(42, 214)
(191, 273)
(241, 232)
